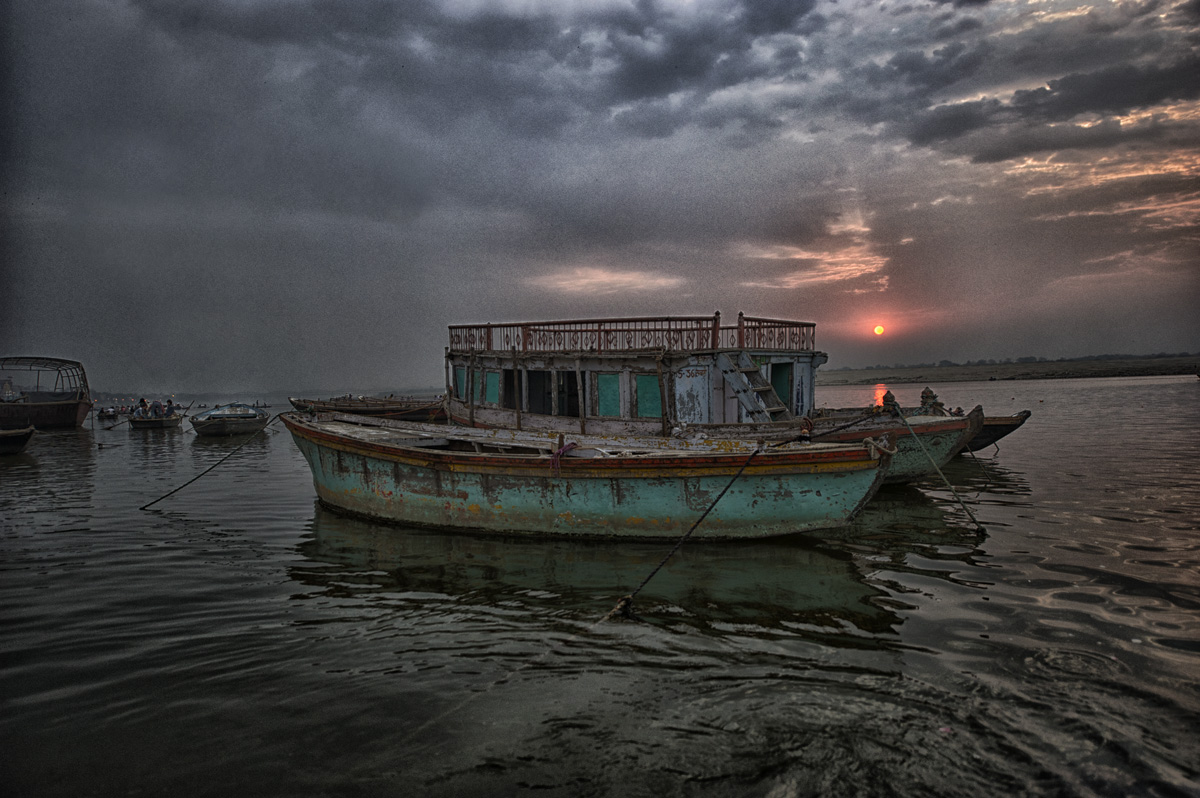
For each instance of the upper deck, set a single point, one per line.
(621, 335)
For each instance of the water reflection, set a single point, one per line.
(788, 583)
(52, 481)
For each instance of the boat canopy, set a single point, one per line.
(69, 377)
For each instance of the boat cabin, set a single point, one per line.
(657, 376)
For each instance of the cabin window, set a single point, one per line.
(460, 382)
(649, 399)
(511, 393)
(608, 394)
(491, 387)
(541, 392)
(781, 381)
(568, 394)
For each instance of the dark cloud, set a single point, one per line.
(379, 169)
(1116, 90)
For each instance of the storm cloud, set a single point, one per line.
(278, 194)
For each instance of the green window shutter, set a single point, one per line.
(491, 391)
(460, 382)
(608, 395)
(649, 400)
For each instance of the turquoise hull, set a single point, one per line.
(531, 495)
(918, 456)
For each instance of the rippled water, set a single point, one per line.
(236, 639)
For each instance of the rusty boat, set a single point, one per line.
(408, 408)
(605, 485)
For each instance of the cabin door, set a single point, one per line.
(781, 381)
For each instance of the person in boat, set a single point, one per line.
(156, 409)
(170, 409)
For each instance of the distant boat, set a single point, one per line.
(235, 418)
(402, 409)
(531, 483)
(13, 441)
(59, 397)
(164, 422)
(996, 427)
(107, 414)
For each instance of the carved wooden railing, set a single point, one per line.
(667, 333)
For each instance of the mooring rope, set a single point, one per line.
(841, 427)
(624, 605)
(933, 462)
(214, 465)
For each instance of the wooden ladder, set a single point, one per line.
(755, 393)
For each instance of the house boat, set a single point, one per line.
(53, 393)
(541, 483)
(643, 376)
(677, 377)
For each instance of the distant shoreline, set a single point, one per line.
(1046, 370)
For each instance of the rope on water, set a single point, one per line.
(624, 608)
(624, 605)
(933, 462)
(214, 465)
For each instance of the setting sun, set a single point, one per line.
(879, 330)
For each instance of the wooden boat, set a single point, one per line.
(107, 414)
(405, 409)
(165, 422)
(994, 428)
(923, 443)
(13, 441)
(537, 483)
(672, 377)
(55, 394)
(234, 418)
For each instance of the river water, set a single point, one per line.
(237, 639)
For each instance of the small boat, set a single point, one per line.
(107, 414)
(13, 441)
(408, 409)
(994, 428)
(56, 395)
(163, 422)
(234, 418)
(545, 484)
(923, 443)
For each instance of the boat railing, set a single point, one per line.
(666, 333)
(69, 376)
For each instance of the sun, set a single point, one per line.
(879, 329)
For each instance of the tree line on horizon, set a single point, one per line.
(1018, 360)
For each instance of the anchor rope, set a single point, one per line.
(624, 608)
(841, 427)
(624, 605)
(933, 462)
(214, 465)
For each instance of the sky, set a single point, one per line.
(262, 195)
